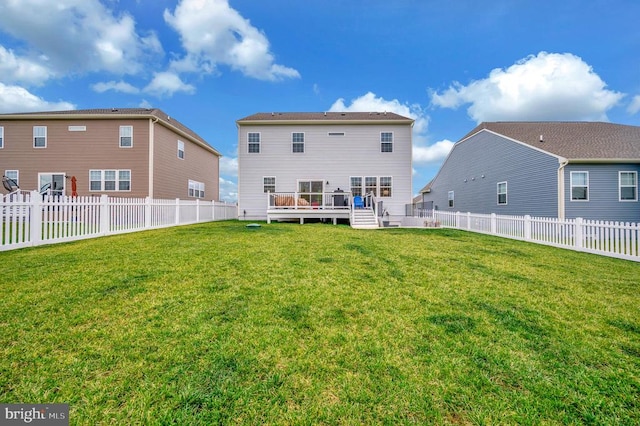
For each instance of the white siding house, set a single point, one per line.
(311, 156)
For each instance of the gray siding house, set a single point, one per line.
(542, 169)
(311, 156)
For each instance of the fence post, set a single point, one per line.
(104, 214)
(213, 210)
(527, 227)
(147, 213)
(36, 217)
(578, 233)
(457, 222)
(469, 221)
(177, 211)
(494, 224)
(197, 210)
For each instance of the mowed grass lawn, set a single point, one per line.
(320, 324)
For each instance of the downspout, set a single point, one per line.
(561, 196)
(152, 121)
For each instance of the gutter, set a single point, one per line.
(561, 186)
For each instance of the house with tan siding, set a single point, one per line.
(305, 165)
(129, 152)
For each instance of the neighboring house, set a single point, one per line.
(130, 152)
(542, 169)
(311, 156)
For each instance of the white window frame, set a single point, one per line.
(382, 188)
(15, 173)
(297, 142)
(39, 132)
(255, 143)
(635, 186)
(118, 180)
(52, 191)
(384, 142)
(371, 185)
(180, 150)
(356, 189)
(268, 184)
(505, 193)
(451, 197)
(196, 189)
(126, 132)
(579, 186)
(1, 137)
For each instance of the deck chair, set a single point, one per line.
(357, 202)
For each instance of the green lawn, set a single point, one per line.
(320, 324)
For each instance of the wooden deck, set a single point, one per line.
(305, 206)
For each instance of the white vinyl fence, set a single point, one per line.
(29, 219)
(614, 239)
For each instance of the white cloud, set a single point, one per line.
(166, 84)
(228, 190)
(213, 33)
(116, 86)
(70, 36)
(634, 106)
(229, 166)
(423, 153)
(549, 86)
(18, 99)
(14, 69)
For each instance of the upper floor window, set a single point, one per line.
(1, 137)
(502, 192)
(196, 189)
(269, 184)
(628, 182)
(451, 198)
(181, 150)
(39, 136)
(110, 180)
(386, 142)
(126, 136)
(253, 140)
(385, 186)
(579, 186)
(297, 140)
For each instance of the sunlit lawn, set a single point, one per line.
(320, 324)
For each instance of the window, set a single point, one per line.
(579, 186)
(298, 142)
(12, 176)
(51, 183)
(196, 189)
(181, 150)
(254, 142)
(269, 184)
(450, 197)
(628, 186)
(385, 186)
(371, 185)
(1, 137)
(356, 186)
(311, 190)
(386, 142)
(110, 180)
(39, 136)
(126, 136)
(502, 192)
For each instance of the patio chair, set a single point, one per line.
(357, 202)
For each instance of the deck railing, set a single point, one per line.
(614, 239)
(309, 200)
(31, 219)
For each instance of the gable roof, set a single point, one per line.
(573, 140)
(120, 113)
(324, 117)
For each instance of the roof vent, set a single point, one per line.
(343, 113)
(114, 109)
(273, 113)
(325, 113)
(541, 138)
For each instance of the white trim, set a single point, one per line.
(506, 193)
(120, 136)
(117, 180)
(1, 137)
(17, 178)
(63, 174)
(451, 199)
(39, 136)
(152, 128)
(259, 143)
(264, 184)
(195, 189)
(571, 185)
(180, 145)
(387, 142)
(293, 143)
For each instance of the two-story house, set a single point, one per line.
(130, 152)
(316, 165)
(543, 169)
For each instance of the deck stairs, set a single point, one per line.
(364, 219)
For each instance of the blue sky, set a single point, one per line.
(448, 64)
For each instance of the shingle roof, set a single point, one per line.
(324, 117)
(573, 140)
(102, 113)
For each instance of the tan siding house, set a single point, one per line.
(132, 152)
